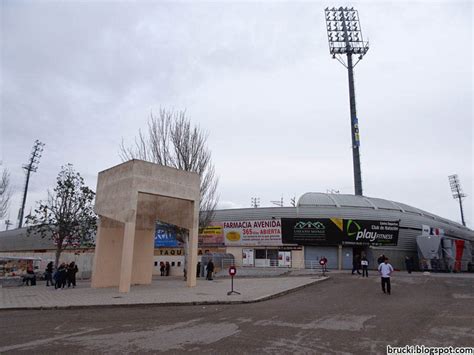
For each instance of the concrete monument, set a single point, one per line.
(130, 198)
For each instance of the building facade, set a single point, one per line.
(336, 226)
(339, 227)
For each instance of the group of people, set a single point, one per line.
(385, 270)
(209, 268)
(29, 279)
(358, 263)
(64, 274)
(165, 268)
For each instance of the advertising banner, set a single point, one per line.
(165, 235)
(355, 122)
(425, 230)
(334, 231)
(428, 230)
(212, 235)
(253, 233)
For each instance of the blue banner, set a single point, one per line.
(165, 235)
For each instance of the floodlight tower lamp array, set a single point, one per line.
(345, 33)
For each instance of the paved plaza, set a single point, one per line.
(163, 291)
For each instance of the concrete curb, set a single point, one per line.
(171, 304)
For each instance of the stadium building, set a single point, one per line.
(336, 226)
(339, 227)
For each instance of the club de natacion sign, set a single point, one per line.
(333, 231)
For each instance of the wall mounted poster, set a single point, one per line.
(165, 235)
(253, 233)
(334, 231)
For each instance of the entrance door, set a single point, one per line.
(347, 258)
(313, 254)
(358, 252)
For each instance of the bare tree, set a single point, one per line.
(5, 193)
(171, 140)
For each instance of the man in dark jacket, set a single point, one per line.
(210, 270)
(60, 277)
(356, 265)
(71, 274)
(409, 264)
(49, 274)
(198, 269)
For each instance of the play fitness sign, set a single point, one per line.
(334, 231)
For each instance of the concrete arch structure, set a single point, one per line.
(131, 197)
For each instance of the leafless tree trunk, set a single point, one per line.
(171, 140)
(5, 193)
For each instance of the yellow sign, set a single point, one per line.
(338, 222)
(233, 236)
(212, 230)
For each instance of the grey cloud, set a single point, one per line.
(258, 76)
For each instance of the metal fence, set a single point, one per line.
(271, 264)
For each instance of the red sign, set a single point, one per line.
(232, 270)
(322, 262)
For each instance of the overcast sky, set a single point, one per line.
(82, 75)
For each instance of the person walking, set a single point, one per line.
(71, 274)
(324, 264)
(409, 264)
(209, 269)
(162, 268)
(365, 266)
(198, 269)
(60, 277)
(385, 270)
(49, 274)
(167, 268)
(356, 264)
(30, 277)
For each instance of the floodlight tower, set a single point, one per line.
(255, 202)
(457, 193)
(345, 37)
(32, 166)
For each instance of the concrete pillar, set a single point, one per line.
(339, 257)
(192, 247)
(97, 254)
(127, 257)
